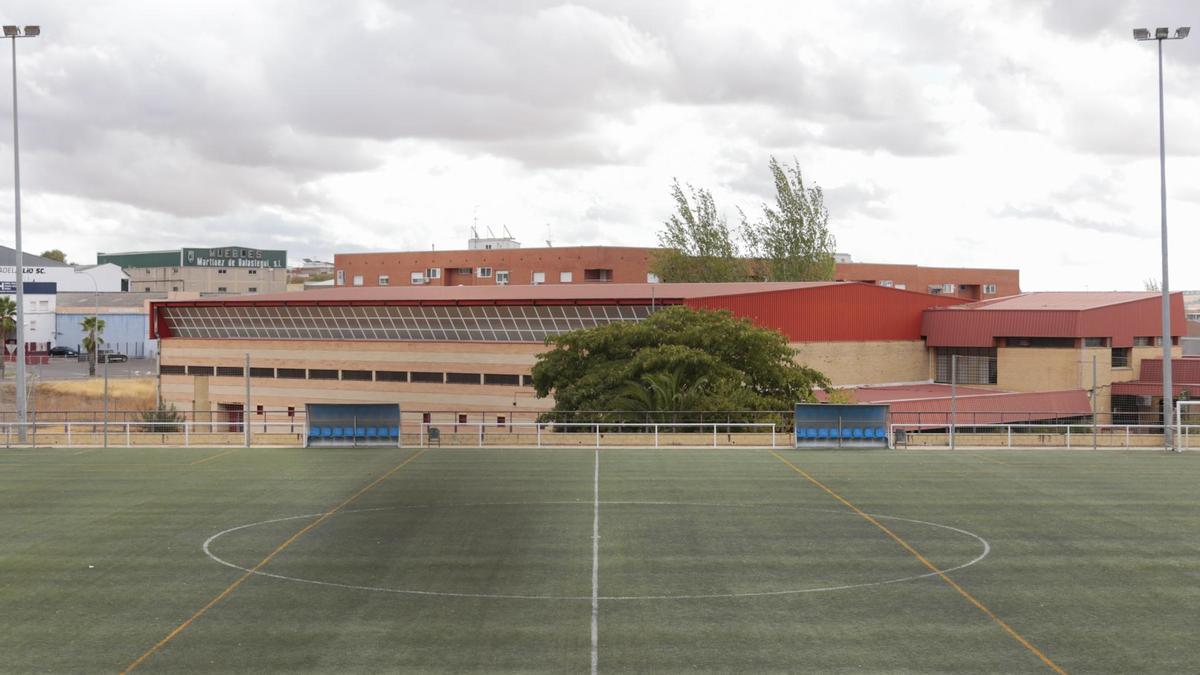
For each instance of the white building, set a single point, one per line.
(40, 318)
(107, 278)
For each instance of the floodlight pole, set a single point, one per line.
(953, 396)
(1161, 34)
(12, 33)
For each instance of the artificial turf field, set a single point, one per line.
(454, 560)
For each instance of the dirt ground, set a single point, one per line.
(132, 394)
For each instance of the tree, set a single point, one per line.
(55, 254)
(8, 323)
(94, 327)
(697, 244)
(791, 242)
(677, 358)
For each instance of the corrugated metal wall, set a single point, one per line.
(980, 328)
(841, 313)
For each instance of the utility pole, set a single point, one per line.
(953, 396)
(246, 412)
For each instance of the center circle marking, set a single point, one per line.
(985, 549)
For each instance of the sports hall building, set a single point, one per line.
(470, 350)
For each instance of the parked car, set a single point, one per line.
(109, 356)
(63, 351)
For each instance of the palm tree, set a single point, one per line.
(663, 392)
(8, 321)
(92, 325)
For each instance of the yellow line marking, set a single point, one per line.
(925, 561)
(209, 459)
(993, 461)
(262, 563)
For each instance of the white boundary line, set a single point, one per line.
(596, 568)
(986, 549)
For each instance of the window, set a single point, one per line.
(1042, 342)
(259, 409)
(539, 278)
(1120, 357)
(341, 278)
(462, 378)
(222, 271)
(887, 283)
(565, 277)
(200, 370)
(358, 280)
(902, 287)
(463, 271)
(43, 305)
(291, 411)
(1143, 341)
(147, 289)
(290, 373)
(484, 272)
(165, 369)
(416, 278)
(252, 289)
(33, 324)
(174, 288)
(502, 379)
(426, 417)
(462, 418)
(602, 275)
(322, 374)
(433, 273)
(391, 376)
(384, 280)
(499, 420)
(358, 375)
(252, 272)
(262, 372)
(947, 288)
(220, 289)
(652, 278)
(989, 289)
(230, 371)
(422, 376)
(502, 277)
(971, 365)
(1095, 342)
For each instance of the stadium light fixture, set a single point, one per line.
(1168, 407)
(12, 33)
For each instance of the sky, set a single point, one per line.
(1019, 134)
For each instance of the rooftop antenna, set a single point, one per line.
(506, 232)
(475, 222)
(491, 235)
(548, 244)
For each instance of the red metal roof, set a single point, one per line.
(451, 295)
(803, 311)
(994, 408)
(1119, 316)
(1185, 376)
(892, 393)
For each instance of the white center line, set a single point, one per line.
(596, 568)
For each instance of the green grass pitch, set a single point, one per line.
(483, 560)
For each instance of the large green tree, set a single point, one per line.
(791, 241)
(55, 254)
(697, 244)
(677, 359)
(8, 323)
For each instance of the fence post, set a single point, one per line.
(481, 434)
(772, 435)
(1126, 436)
(1010, 436)
(538, 427)
(127, 434)
(1068, 435)
(597, 435)
(656, 435)
(68, 434)
(714, 434)
(187, 428)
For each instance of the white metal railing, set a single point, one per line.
(576, 431)
(1073, 435)
(123, 433)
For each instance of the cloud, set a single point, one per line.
(1050, 213)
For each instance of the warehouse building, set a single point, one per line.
(217, 271)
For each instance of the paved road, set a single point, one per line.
(71, 369)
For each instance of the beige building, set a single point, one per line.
(210, 271)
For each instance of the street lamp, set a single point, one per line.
(12, 33)
(1160, 34)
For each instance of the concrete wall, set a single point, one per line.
(850, 363)
(207, 279)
